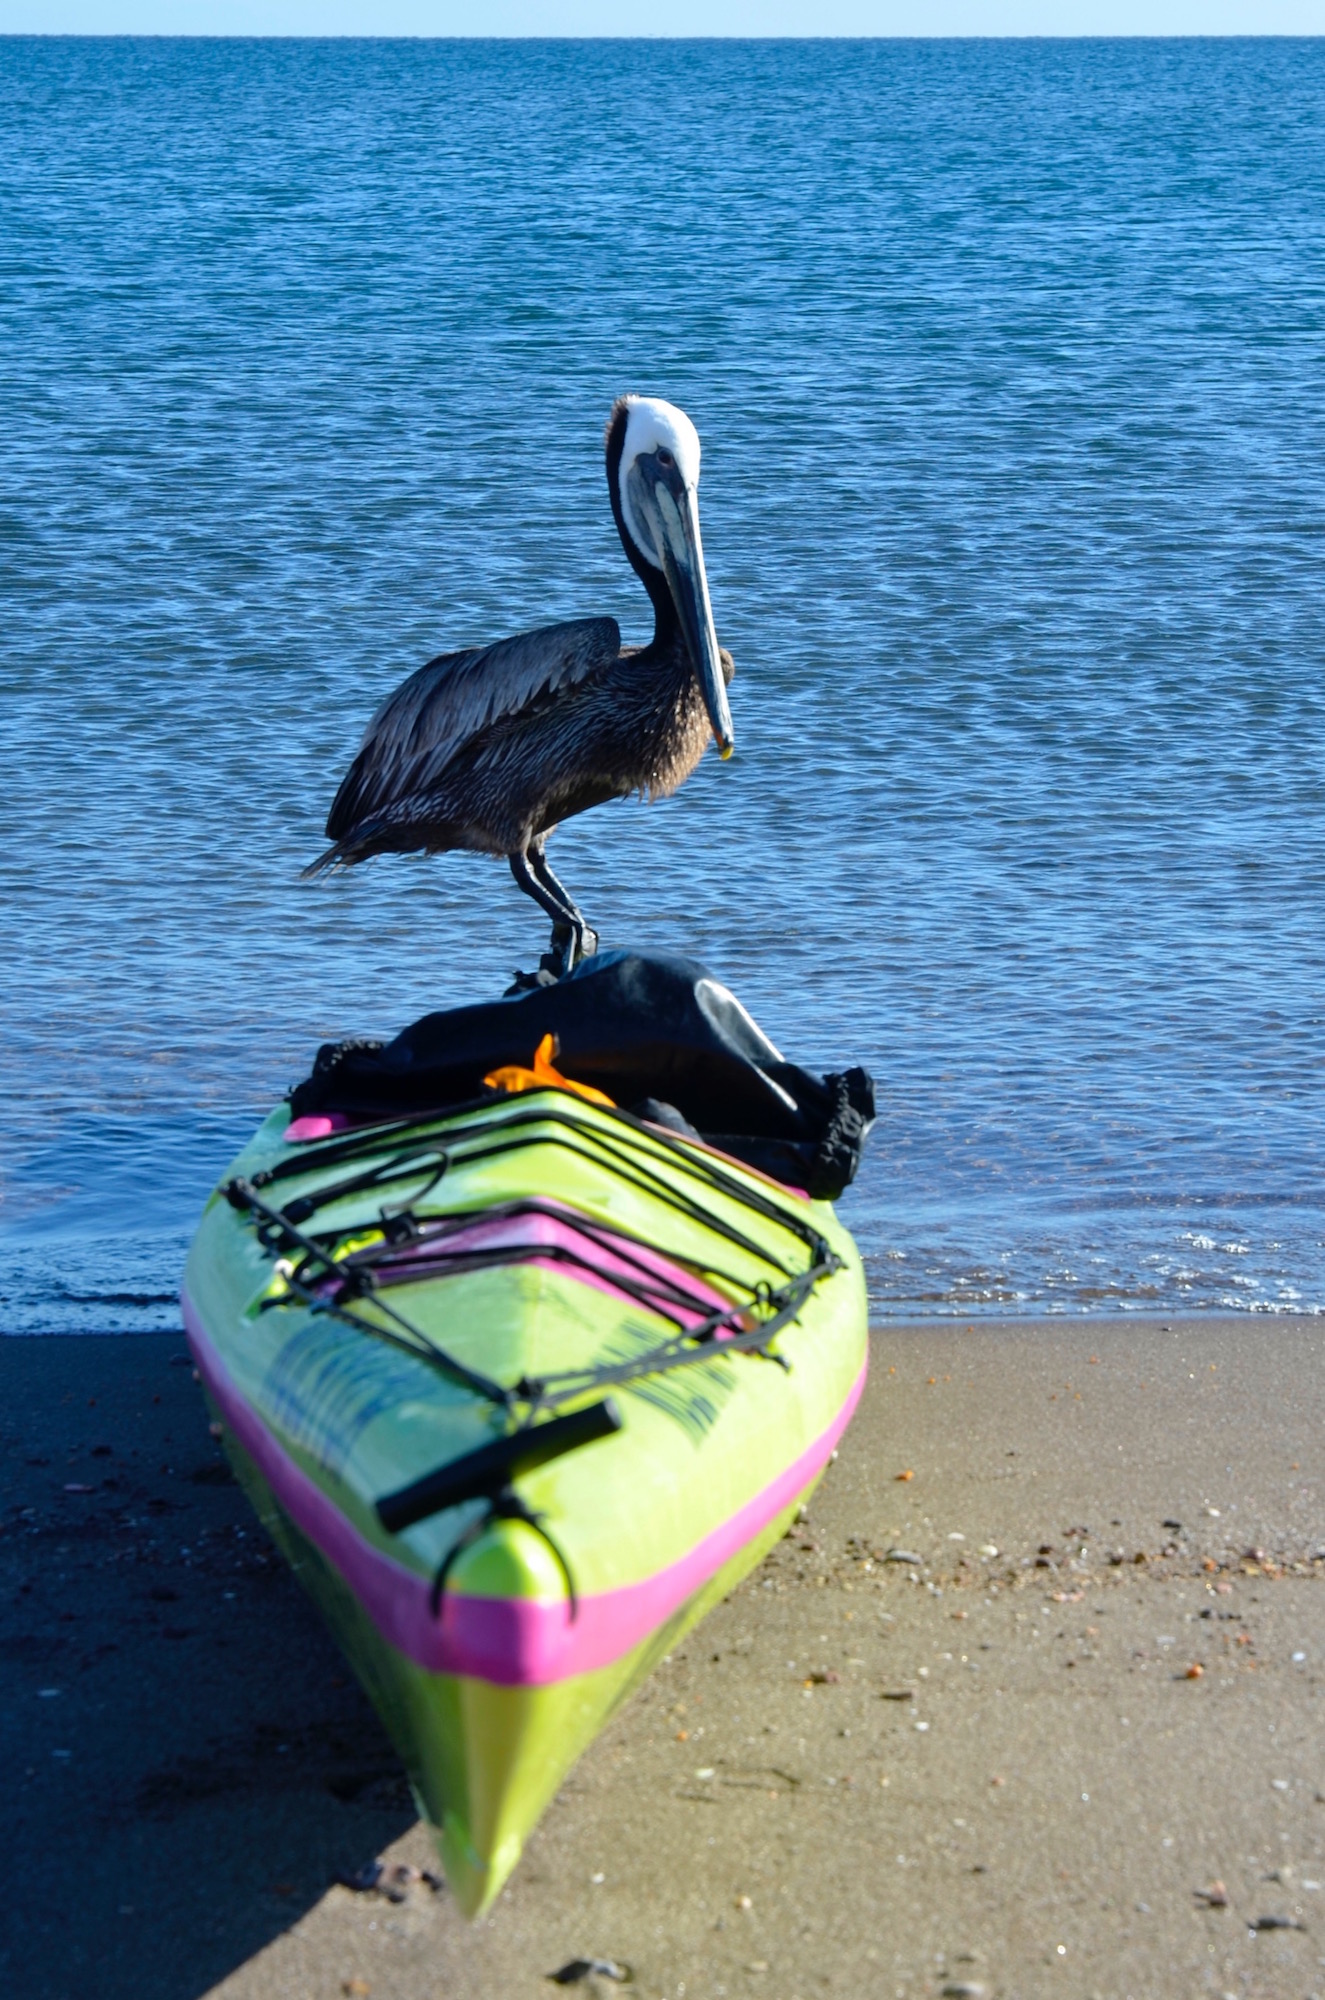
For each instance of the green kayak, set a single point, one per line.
(522, 1388)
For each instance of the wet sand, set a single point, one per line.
(973, 1772)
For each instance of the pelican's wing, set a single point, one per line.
(437, 711)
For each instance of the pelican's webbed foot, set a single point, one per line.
(569, 945)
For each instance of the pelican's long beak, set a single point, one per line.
(673, 512)
(683, 563)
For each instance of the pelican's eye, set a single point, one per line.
(665, 456)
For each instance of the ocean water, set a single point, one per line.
(1008, 364)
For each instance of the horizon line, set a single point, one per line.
(334, 35)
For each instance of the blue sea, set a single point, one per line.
(1008, 360)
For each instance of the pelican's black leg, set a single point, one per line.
(586, 940)
(569, 930)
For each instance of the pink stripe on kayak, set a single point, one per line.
(314, 1125)
(515, 1641)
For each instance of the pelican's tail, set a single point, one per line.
(333, 858)
(355, 844)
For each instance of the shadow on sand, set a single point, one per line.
(185, 1759)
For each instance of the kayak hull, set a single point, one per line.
(484, 1761)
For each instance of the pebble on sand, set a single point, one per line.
(394, 1882)
(361, 1880)
(577, 1969)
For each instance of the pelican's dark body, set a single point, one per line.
(489, 749)
(635, 723)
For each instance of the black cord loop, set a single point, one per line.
(503, 1506)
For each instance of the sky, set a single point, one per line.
(669, 17)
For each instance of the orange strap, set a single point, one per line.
(513, 1077)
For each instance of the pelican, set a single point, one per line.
(490, 749)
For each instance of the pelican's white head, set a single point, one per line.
(657, 495)
(653, 426)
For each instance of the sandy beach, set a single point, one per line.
(1029, 1705)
